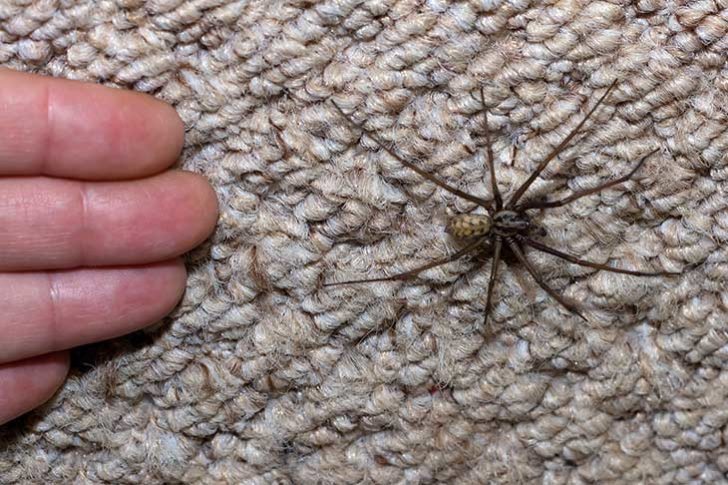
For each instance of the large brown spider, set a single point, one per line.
(506, 224)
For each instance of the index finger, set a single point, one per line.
(71, 129)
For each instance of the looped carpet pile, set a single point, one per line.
(262, 375)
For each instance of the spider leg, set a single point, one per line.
(593, 190)
(279, 140)
(541, 166)
(589, 264)
(411, 166)
(495, 261)
(513, 245)
(489, 155)
(413, 272)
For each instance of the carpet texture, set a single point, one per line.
(262, 375)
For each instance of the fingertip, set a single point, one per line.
(176, 274)
(168, 141)
(28, 383)
(55, 366)
(151, 293)
(202, 208)
(151, 133)
(164, 286)
(209, 205)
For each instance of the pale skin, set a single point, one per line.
(92, 224)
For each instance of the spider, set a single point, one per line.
(506, 224)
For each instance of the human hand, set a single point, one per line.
(91, 226)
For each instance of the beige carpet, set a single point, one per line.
(264, 376)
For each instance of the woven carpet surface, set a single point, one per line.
(263, 375)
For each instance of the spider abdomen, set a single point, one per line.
(469, 225)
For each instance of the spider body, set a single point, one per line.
(503, 223)
(506, 224)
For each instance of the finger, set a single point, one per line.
(27, 384)
(71, 129)
(52, 223)
(45, 312)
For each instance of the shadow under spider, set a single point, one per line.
(506, 224)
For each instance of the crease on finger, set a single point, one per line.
(54, 318)
(83, 229)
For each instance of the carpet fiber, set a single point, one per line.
(262, 375)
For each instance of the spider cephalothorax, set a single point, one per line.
(506, 224)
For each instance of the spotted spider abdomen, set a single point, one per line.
(469, 225)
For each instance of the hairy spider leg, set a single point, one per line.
(495, 261)
(593, 190)
(541, 166)
(589, 264)
(513, 245)
(477, 200)
(497, 198)
(413, 272)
